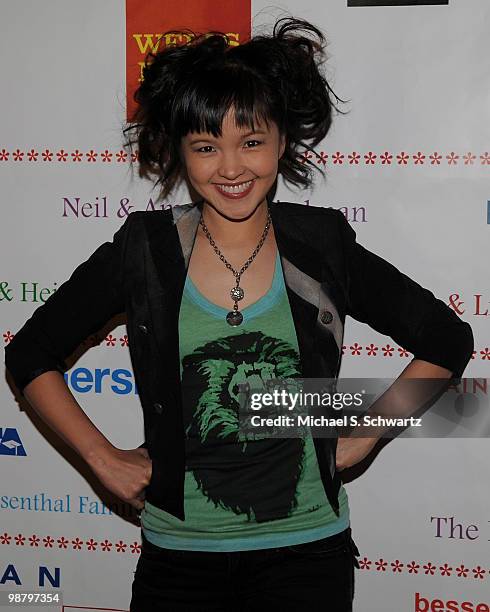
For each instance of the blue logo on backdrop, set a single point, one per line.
(10, 442)
(101, 380)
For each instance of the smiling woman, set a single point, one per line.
(232, 290)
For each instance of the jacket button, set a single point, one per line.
(158, 407)
(326, 316)
(143, 328)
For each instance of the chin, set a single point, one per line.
(234, 208)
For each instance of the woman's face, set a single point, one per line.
(234, 172)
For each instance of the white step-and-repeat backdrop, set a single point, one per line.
(409, 166)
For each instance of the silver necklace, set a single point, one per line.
(235, 317)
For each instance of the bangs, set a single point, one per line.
(202, 102)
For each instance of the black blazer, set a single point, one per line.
(328, 275)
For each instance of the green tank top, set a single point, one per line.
(264, 493)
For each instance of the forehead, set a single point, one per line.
(230, 128)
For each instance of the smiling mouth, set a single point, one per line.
(237, 188)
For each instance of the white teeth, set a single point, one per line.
(235, 189)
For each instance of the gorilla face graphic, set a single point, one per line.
(257, 478)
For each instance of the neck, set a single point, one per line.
(227, 232)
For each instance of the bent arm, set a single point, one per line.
(394, 304)
(35, 357)
(53, 401)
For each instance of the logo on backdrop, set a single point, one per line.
(146, 22)
(10, 442)
(101, 380)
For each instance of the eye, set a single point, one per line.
(257, 141)
(200, 150)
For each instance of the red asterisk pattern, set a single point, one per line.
(110, 340)
(370, 157)
(34, 540)
(429, 568)
(106, 545)
(371, 350)
(446, 570)
(121, 546)
(402, 158)
(91, 544)
(365, 563)
(8, 336)
(462, 571)
(386, 158)
(353, 157)
(322, 158)
(135, 548)
(413, 568)
(388, 350)
(77, 544)
(356, 349)
(380, 565)
(435, 159)
(478, 572)
(303, 157)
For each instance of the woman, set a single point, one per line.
(233, 289)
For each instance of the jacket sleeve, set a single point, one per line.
(78, 308)
(393, 304)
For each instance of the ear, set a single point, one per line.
(282, 145)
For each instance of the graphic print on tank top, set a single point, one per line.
(233, 474)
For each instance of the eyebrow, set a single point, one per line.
(199, 139)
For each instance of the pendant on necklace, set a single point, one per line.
(235, 317)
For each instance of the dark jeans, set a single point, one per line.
(318, 575)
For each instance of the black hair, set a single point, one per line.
(190, 87)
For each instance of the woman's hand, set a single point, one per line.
(125, 473)
(352, 450)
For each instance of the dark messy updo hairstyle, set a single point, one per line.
(190, 87)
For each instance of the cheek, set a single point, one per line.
(196, 170)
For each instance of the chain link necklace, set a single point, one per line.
(235, 317)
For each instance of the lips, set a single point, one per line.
(235, 192)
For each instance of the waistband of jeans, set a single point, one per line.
(337, 538)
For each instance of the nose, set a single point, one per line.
(231, 167)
